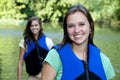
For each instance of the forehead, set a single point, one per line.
(34, 21)
(77, 16)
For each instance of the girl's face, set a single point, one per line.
(78, 28)
(35, 27)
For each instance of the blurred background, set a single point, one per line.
(15, 13)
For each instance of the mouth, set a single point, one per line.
(34, 30)
(77, 36)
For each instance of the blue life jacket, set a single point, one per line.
(75, 69)
(31, 45)
(34, 56)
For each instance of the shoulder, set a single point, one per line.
(52, 54)
(21, 43)
(107, 65)
(22, 40)
(49, 42)
(48, 39)
(53, 59)
(104, 57)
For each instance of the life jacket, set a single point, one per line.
(34, 56)
(76, 69)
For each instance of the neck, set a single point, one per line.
(36, 37)
(80, 51)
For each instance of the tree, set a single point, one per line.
(54, 10)
(24, 8)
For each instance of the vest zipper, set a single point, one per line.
(86, 69)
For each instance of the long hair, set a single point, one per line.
(28, 35)
(73, 9)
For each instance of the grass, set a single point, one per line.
(107, 40)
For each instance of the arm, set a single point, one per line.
(52, 66)
(48, 72)
(20, 63)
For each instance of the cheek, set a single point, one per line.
(38, 27)
(70, 31)
(30, 28)
(87, 31)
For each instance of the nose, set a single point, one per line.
(34, 26)
(76, 29)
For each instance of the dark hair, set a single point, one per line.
(72, 10)
(28, 35)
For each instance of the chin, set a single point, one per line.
(80, 42)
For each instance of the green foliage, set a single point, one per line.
(53, 10)
(7, 9)
(103, 11)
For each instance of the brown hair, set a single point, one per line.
(72, 10)
(28, 35)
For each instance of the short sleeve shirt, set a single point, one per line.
(54, 60)
(49, 43)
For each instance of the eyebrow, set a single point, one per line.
(78, 22)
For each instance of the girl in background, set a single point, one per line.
(33, 49)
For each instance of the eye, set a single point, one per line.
(36, 24)
(70, 26)
(31, 25)
(81, 24)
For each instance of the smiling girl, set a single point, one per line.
(33, 49)
(77, 57)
